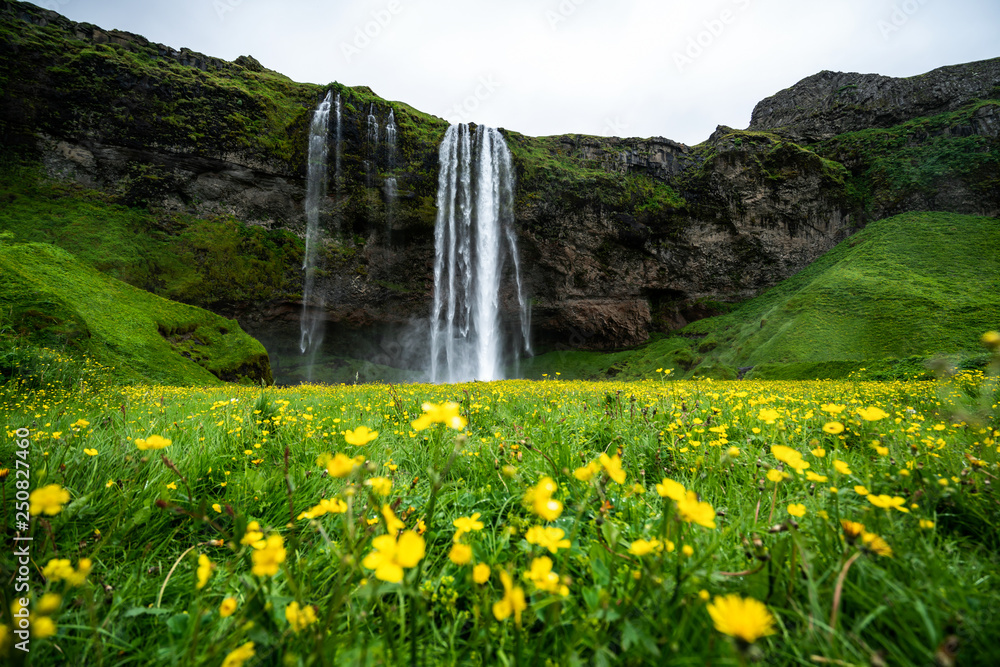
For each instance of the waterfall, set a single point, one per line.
(390, 180)
(337, 148)
(372, 141)
(473, 235)
(311, 324)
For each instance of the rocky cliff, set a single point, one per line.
(619, 237)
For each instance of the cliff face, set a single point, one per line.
(618, 237)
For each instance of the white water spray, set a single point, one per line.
(473, 235)
(311, 323)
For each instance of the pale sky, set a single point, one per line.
(642, 68)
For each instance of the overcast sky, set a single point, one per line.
(642, 68)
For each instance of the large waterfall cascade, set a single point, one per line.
(390, 179)
(311, 323)
(473, 239)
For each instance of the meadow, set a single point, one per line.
(552, 522)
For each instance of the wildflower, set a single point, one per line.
(668, 488)
(587, 472)
(539, 499)
(360, 436)
(548, 537)
(733, 452)
(481, 573)
(832, 408)
(861, 490)
(813, 477)
(541, 575)
(445, 413)
(392, 554)
(872, 414)
(613, 466)
(42, 627)
(692, 510)
(299, 618)
(392, 524)
(768, 415)
(48, 500)
(888, 502)
(172, 486)
(334, 506)
(777, 476)
(833, 428)
(645, 547)
(819, 452)
(266, 560)
(789, 456)
(687, 550)
(746, 619)
(48, 604)
(227, 607)
(205, 568)
(842, 467)
(253, 536)
(852, 530)
(991, 339)
(380, 485)
(460, 554)
(217, 507)
(926, 524)
(342, 466)
(467, 524)
(797, 510)
(512, 601)
(704, 595)
(152, 442)
(90, 452)
(874, 544)
(238, 656)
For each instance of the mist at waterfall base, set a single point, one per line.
(469, 334)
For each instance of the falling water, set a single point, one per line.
(473, 235)
(390, 180)
(311, 324)
(372, 138)
(337, 147)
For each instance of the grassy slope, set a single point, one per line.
(916, 284)
(48, 298)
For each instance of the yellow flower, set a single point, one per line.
(888, 502)
(746, 619)
(842, 467)
(360, 436)
(48, 604)
(467, 524)
(460, 554)
(548, 537)
(512, 601)
(239, 655)
(299, 617)
(152, 442)
(797, 510)
(42, 627)
(217, 507)
(733, 452)
(342, 466)
(391, 555)
(644, 547)
(205, 567)
(832, 408)
(445, 413)
(819, 452)
(587, 472)
(852, 529)
(392, 524)
(872, 414)
(541, 575)
(991, 339)
(267, 560)
(90, 452)
(380, 485)
(48, 500)
(833, 427)
(613, 466)
(692, 510)
(777, 476)
(874, 544)
(539, 499)
(334, 506)
(481, 573)
(813, 477)
(789, 456)
(253, 536)
(172, 486)
(687, 550)
(768, 415)
(227, 607)
(926, 524)
(668, 488)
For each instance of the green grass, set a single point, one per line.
(240, 454)
(50, 300)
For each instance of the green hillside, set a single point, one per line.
(50, 303)
(901, 291)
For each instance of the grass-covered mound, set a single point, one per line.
(895, 294)
(49, 300)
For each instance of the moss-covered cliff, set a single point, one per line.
(202, 162)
